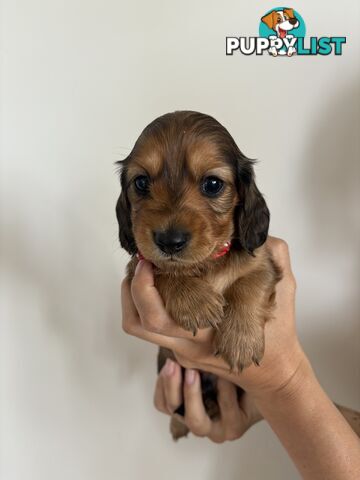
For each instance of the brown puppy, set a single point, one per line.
(189, 204)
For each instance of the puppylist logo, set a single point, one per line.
(282, 33)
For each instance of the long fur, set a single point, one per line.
(234, 293)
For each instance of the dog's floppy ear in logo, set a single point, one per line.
(289, 12)
(270, 19)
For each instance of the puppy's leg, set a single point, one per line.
(191, 302)
(273, 50)
(240, 337)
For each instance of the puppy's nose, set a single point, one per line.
(171, 241)
(293, 21)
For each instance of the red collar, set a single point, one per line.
(220, 253)
(223, 250)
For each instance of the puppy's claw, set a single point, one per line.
(240, 351)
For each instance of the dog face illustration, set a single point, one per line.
(281, 21)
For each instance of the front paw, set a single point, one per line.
(196, 306)
(291, 51)
(273, 51)
(239, 346)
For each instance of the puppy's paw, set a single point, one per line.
(291, 51)
(273, 51)
(178, 429)
(239, 346)
(196, 305)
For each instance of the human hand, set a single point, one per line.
(236, 414)
(144, 316)
(283, 388)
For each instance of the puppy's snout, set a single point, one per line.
(293, 21)
(171, 241)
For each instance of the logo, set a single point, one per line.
(282, 33)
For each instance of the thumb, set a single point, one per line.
(146, 298)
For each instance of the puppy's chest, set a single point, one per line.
(213, 281)
(221, 280)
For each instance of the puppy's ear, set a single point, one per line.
(123, 215)
(269, 20)
(290, 12)
(252, 216)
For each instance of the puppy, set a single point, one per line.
(189, 204)
(282, 22)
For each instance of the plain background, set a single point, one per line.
(80, 80)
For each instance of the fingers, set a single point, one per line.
(280, 252)
(131, 320)
(233, 420)
(159, 396)
(196, 418)
(168, 389)
(172, 385)
(147, 300)
(250, 410)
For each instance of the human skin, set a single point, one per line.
(236, 415)
(283, 389)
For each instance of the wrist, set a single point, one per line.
(280, 377)
(294, 382)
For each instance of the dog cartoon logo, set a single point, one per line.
(287, 24)
(282, 33)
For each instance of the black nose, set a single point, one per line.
(171, 241)
(293, 21)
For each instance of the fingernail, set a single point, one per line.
(190, 376)
(168, 368)
(138, 266)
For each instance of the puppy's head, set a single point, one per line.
(186, 190)
(282, 21)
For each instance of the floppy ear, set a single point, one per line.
(252, 216)
(290, 12)
(123, 215)
(269, 20)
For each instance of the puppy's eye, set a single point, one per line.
(212, 186)
(142, 184)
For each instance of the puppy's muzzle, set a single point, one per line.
(171, 241)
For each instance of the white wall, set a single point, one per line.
(80, 79)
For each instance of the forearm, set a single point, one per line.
(314, 433)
